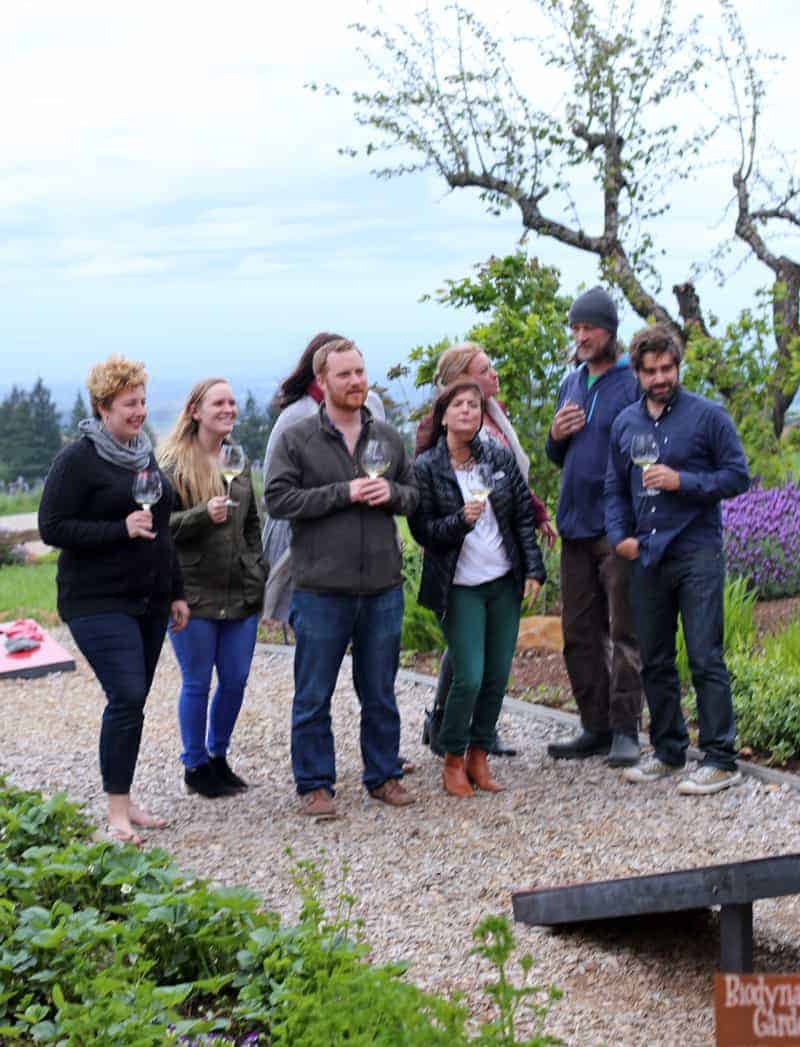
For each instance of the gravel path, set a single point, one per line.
(424, 876)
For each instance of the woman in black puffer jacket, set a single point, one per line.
(480, 559)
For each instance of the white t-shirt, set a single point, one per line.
(483, 556)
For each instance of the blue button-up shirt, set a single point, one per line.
(697, 438)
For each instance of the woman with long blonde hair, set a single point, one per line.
(218, 541)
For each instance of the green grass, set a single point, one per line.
(29, 591)
(12, 504)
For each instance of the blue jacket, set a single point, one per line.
(698, 439)
(583, 457)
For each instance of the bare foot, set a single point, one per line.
(119, 833)
(146, 820)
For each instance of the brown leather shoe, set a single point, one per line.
(318, 804)
(477, 768)
(393, 793)
(454, 777)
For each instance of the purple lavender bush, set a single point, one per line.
(761, 531)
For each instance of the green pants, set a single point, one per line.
(481, 628)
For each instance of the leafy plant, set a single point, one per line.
(100, 944)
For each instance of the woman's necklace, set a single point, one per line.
(464, 463)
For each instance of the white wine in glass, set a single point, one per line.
(231, 462)
(147, 487)
(644, 453)
(375, 459)
(479, 482)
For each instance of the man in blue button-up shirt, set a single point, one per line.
(673, 457)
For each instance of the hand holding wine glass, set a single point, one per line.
(644, 453)
(375, 458)
(147, 490)
(480, 482)
(231, 461)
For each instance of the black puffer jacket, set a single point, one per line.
(439, 525)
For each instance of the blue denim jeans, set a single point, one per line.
(692, 584)
(204, 644)
(324, 624)
(123, 651)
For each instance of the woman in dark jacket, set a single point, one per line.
(218, 540)
(118, 578)
(476, 525)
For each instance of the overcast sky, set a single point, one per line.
(169, 189)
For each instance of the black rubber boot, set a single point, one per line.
(625, 749)
(498, 748)
(587, 743)
(222, 769)
(204, 781)
(433, 717)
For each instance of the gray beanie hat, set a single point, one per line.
(595, 307)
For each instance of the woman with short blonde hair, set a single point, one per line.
(118, 579)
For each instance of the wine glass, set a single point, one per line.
(231, 462)
(644, 452)
(479, 481)
(147, 487)
(375, 459)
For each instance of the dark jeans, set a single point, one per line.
(204, 644)
(600, 648)
(693, 585)
(324, 624)
(481, 627)
(123, 650)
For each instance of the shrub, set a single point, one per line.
(421, 629)
(101, 944)
(10, 553)
(766, 698)
(762, 539)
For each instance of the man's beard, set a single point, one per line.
(346, 403)
(664, 395)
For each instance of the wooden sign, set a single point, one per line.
(756, 1009)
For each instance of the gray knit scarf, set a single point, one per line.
(134, 455)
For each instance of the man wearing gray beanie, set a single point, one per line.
(600, 649)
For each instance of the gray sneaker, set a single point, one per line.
(651, 769)
(709, 779)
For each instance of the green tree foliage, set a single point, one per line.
(30, 433)
(522, 327)
(253, 427)
(592, 164)
(737, 367)
(76, 416)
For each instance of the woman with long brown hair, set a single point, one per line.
(469, 361)
(218, 540)
(476, 526)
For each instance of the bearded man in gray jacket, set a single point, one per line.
(347, 576)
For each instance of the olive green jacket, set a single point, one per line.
(223, 573)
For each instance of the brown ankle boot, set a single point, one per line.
(454, 777)
(477, 768)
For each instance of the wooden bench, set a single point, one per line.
(734, 887)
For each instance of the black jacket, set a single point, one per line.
(439, 525)
(222, 569)
(101, 570)
(338, 546)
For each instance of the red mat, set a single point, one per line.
(50, 657)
